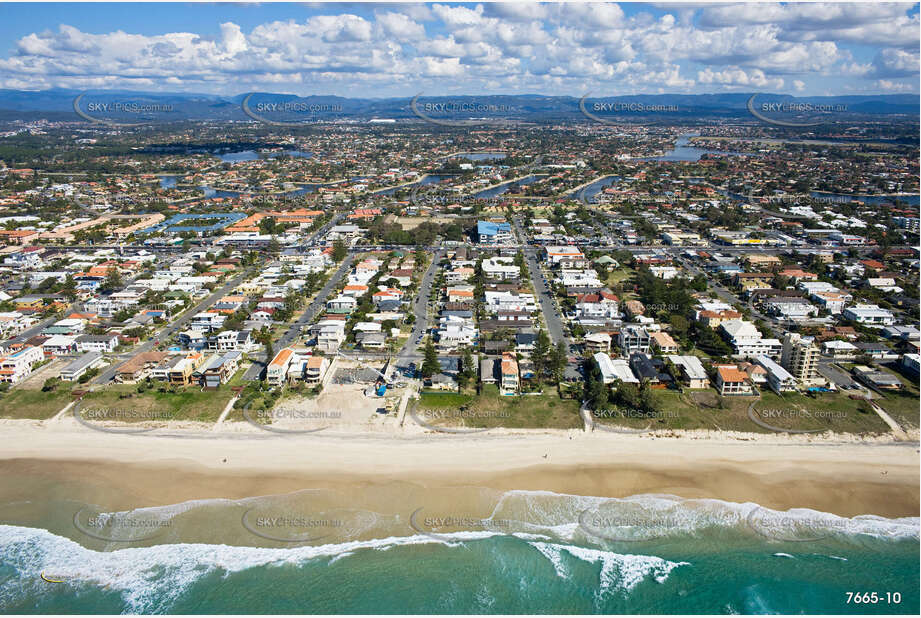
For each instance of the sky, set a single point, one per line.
(402, 49)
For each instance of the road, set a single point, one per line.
(542, 292)
(39, 327)
(309, 314)
(419, 308)
(171, 328)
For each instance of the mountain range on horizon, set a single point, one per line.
(58, 104)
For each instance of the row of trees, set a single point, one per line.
(637, 399)
(549, 362)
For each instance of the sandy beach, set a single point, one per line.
(168, 466)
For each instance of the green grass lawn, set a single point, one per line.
(490, 409)
(619, 275)
(902, 406)
(186, 404)
(827, 411)
(705, 409)
(29, 403)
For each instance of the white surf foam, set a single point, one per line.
(663, 515)
(152, 578)
(620, 572)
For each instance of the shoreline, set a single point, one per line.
(845, 478)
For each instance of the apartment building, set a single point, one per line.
(715, 318)
(634, 338)
(17, 366)
(341, 304)
(597, 305)
(494, 233)
(568, 256)
(59, 345)
(498, 300)
(800, 357)
(746, 339)
(790, 307)
(833, 302)
(500, 268)
(459, 275)
(180, 373)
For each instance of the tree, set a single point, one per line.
(339, 250)
(679, 324)
(264, 336)
(558, 360)
(69, 287)
(113, 279)
(596, 391)
(430, 364)
(467, 369)
(540, 354)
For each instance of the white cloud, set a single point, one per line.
(515, 47)
(737, 77)
(401, 27)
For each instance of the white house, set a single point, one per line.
(500, 268)
(746, 339)
(869, 314)
(97, 343)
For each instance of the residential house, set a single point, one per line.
(277, 371)
(839, 350)
(871, 315)
(877, 379)
(80, 365)
(316, 369)
(97, 343)
(509, 379)
(598, 342)
(692, 370)
(139, 367)
(663, 343)
(778, 378)
(341, 304)
(731, 381)
(59, 345)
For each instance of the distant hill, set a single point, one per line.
(57, 104)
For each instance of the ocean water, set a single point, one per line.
(533, 552)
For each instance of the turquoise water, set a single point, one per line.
(700, 556)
